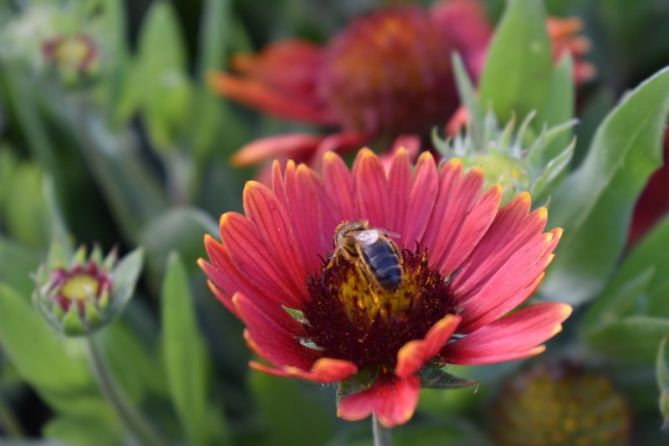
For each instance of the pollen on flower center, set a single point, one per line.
(351, 317)
(80, 287)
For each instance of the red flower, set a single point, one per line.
(329, 311)
(653, 204)
(387, 74)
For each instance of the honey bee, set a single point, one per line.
(378, 256)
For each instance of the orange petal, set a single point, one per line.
(291, 146)
(324, 370)
(263, 97)
(413, 355)
(516, 336)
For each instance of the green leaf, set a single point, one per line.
(558, 107)
(184, 353)
(470, 100)
(59, 375)
(594, 204)
(124, 279)
(617, 302)
(98, 428)
(293, 414)
(8, 164)
(517, 74)
(632, 339)
(215, 35)
(132, 364)
(435, 378)
(639, 284)
(17, 265)
(662, 377)
(26, 211)
(163, 82)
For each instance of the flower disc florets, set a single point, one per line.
(556, 403)
(390, 70)
(351, 317)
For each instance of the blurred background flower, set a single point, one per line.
(387, 74)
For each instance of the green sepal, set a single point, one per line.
(432, 377)
(71, 324)
(362, 380)
(93, 317)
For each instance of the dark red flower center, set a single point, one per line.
(353, 318)
(390, 72)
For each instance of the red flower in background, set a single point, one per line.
(654, 201)
(387, 74)
(438, 276)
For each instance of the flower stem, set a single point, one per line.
(382, 435)
(131, 418)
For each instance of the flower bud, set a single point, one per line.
(516, 158)
(75, 58)
(82, 294)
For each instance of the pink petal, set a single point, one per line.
(513, 337)
(464, 23)
(263, 209)
(339, 185)
(228, 280)
(474, 226)
(324, 370)
(507, 288)
(410, 143)
(294, 145)
(414, 354)
(399, 183)
(269, 339)
(339, 142)
(302, 197)
(512, 228)
(371, 188)
(421, 200)
(393, 400)
(289, 65)
(457, 196)
(253, 259)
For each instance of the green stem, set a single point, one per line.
(131, 418)
(382, 435)
(9, 423)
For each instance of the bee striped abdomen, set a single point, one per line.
(384, 263)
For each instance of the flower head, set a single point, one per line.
(387, 74)
(557, 403)
(73, 57)
(81, 294)
(373, 277)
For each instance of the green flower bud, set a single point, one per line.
(83, 294)
(517, 159)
